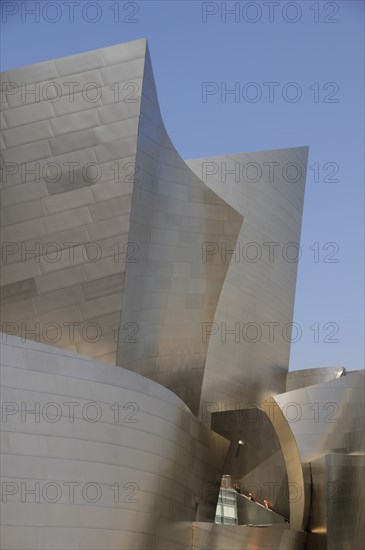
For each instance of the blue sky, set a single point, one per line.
(319, 46)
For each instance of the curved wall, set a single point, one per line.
(171, 291)
(308, 377)
(137, 265)
(186, 291)
(257, 300)
(192, 286)
(322, 435)
(327, 417)
(299, 483)
(100, 481)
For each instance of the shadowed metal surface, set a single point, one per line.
(345, 501)
(254, 513)
(258, 465)
(337, 512)
(242, 537)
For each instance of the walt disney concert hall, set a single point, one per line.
(146, 319)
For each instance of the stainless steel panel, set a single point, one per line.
(168, 211)
(140, 462)
(308, 377)
(95, 137)
(224, 537)
(169, 292)
(321, 430)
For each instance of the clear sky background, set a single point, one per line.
(304, 42)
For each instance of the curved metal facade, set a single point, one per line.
(327, 417)
(321, 429)
(171, 291)
(308, 377)
(145, 253)
(257, 300)
(183, 273)
(110, 460)
(186, 225)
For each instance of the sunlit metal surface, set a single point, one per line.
(66, 202)
(140, 270)
(259, 287)
(178, 294)
(172, 291)
(308, 377)
(327, 417)
(146, 469)
(298, 474)
(327, 438)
